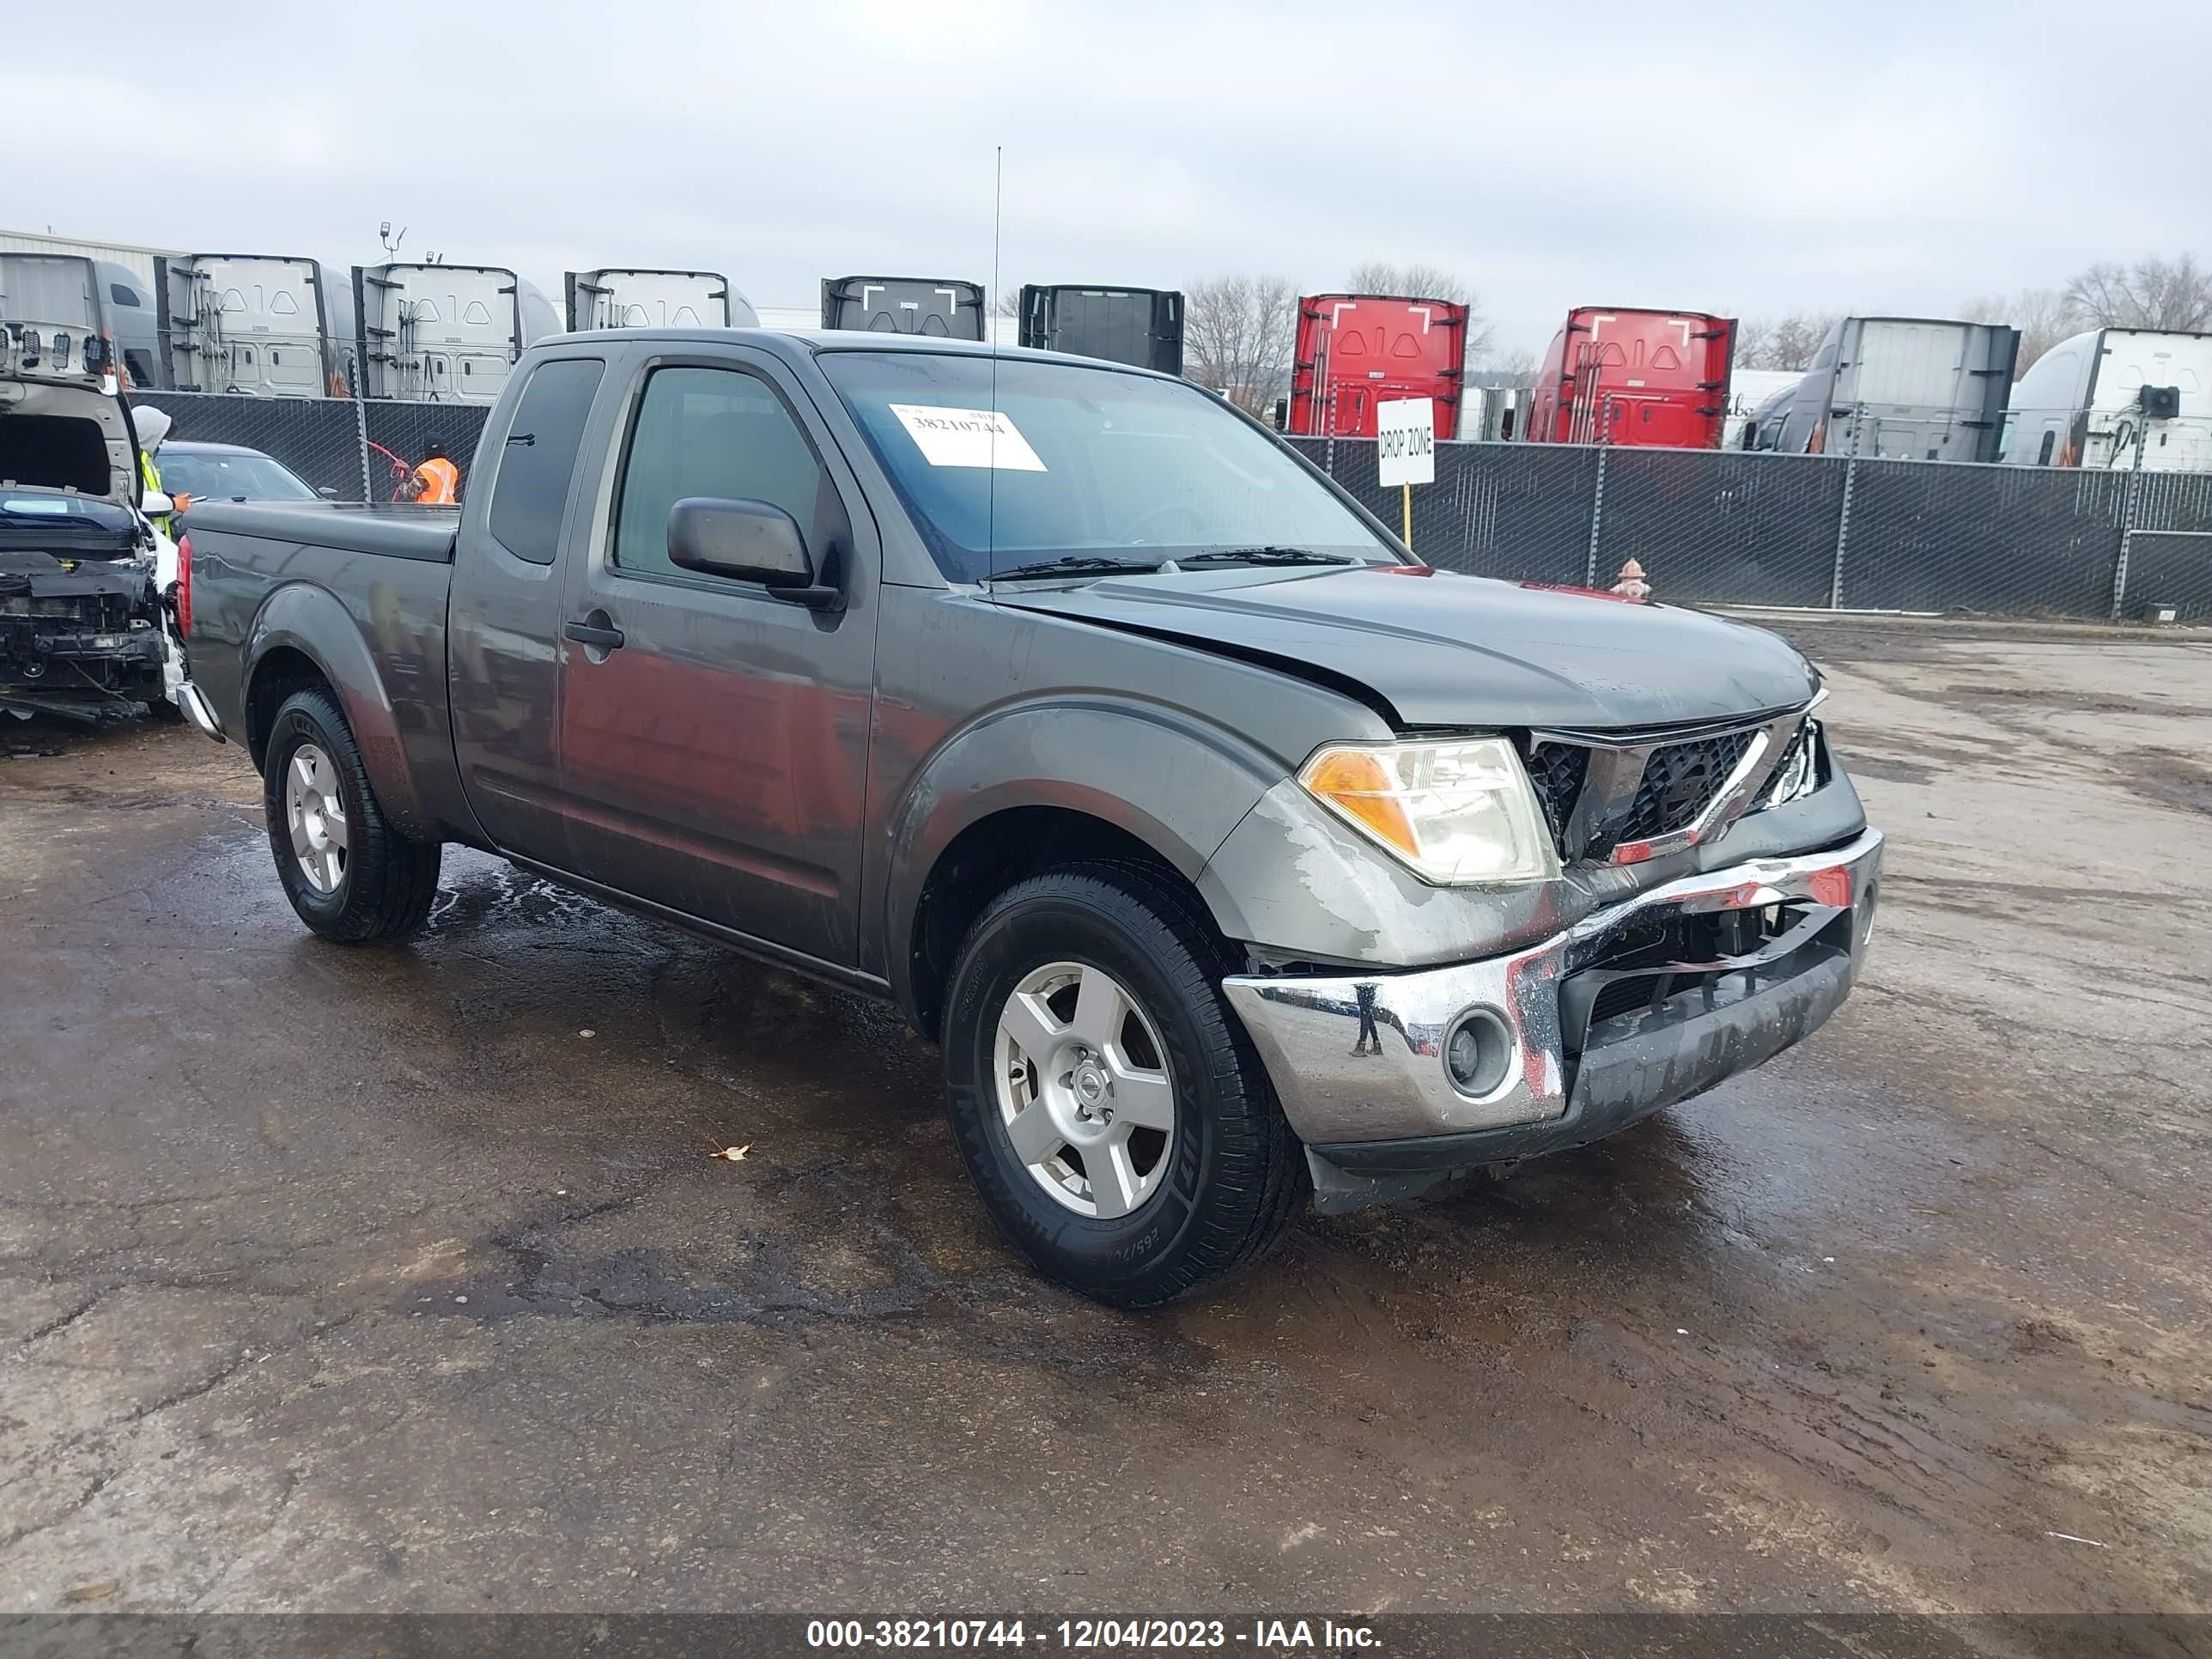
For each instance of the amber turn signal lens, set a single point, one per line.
(1356, 783)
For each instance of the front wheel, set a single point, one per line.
(351, 877)
(1108, 1105)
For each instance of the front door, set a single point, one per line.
(714, 759)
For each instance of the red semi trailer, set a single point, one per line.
(1646, 378)
(1355, 351)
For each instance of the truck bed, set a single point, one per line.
(395, 530)
(370, 585)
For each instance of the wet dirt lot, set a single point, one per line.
(335, 1279)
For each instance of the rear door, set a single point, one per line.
(502, 667)
(1913, 391)
(941, 307)
(715, 761)
(1663, 376)
(266, 314)
(1377, 350)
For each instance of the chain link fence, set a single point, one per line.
(1708, 527)
(352, 449)
(1814, 532)
(2167, 554)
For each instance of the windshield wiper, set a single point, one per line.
(1076, 564)
(1268, 556)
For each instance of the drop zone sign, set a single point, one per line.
(1405, 442)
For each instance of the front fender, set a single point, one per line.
(1176, 782)
(310, 620)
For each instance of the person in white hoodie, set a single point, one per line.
(152, 426)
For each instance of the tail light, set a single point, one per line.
(184, 587)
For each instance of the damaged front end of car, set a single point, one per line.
(79, 638)
(82, 636)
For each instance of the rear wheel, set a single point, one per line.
(1110, 1106)
(350, 876)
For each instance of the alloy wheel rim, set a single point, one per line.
(314, 813)
(1084, 1092)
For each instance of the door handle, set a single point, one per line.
(596, 631)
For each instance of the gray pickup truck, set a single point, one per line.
(1232, 858)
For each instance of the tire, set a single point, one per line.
(386, 881)
(1231, 1176)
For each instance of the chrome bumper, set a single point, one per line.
(199, 711)
(1360, 1064)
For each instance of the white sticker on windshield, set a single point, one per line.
(967, 437)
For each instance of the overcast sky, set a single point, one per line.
(1736, 159)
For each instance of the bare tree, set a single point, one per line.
(1412, 282)
(2151, 292)
(1418, 282)
(1238, 334)
(2041, 315)
(1783, 343)
(1516, 367)
(1009, 302)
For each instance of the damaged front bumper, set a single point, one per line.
(81, 640)
(1395, 1081)
(84, 673)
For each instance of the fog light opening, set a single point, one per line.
(1479, 1053)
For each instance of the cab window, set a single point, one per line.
(719, 433)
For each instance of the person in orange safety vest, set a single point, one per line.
(436, 482)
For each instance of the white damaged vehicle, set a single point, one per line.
(86, 573)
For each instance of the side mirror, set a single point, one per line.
(751, 541)
(155, 505)
(328, 492)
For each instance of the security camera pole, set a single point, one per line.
(1406, 450)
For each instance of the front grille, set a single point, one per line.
(1556, 771)
(1619, 996)
(1679, 781)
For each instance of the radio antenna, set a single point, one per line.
(991, 334)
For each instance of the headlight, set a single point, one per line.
(1460, 811)
(1799, 774)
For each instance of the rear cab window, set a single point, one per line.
(538, 459)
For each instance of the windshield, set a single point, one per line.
(241, 477)
(62, 512)
(1089, 462)
(54, 523)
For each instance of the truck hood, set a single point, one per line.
(1452, 651)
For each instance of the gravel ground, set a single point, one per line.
(357, 1280)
